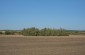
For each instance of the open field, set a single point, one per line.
(42, 45)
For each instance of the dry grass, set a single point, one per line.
(46, 45)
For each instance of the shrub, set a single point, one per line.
(62, 32)
(8, 32)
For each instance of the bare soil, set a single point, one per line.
(42, 45)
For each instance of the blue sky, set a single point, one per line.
(19, 14)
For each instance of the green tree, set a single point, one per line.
(30, 31)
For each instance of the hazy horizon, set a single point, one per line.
(19, 14)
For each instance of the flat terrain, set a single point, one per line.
(42, 45)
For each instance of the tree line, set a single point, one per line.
(44, 32)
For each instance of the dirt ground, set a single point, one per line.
(42, 45)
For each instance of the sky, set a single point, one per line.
(19, 14)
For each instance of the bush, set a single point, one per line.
(62, 32)
(8, 32)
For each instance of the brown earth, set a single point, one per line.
(42, 45)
